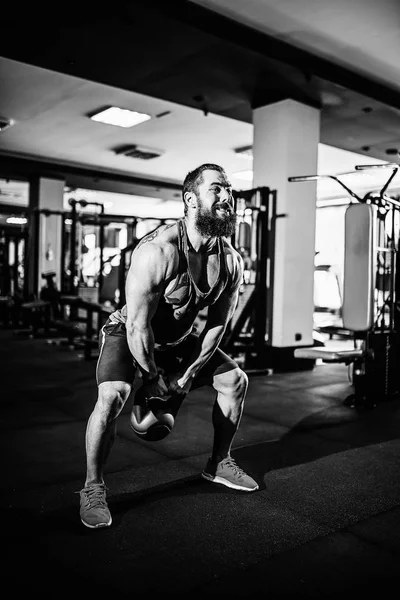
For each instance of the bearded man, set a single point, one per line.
(175, 272)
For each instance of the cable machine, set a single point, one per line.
(76, 240)
(371, 292)
(247, 335)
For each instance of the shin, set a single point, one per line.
(101, 427)
(231, 387)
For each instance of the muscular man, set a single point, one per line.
(175, 272)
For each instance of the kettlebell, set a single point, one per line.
(151, 418)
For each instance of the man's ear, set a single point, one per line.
(190, 199)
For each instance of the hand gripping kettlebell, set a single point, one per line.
(151, 418)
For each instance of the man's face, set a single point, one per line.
(215, 215)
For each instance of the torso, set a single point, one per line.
(196, 280)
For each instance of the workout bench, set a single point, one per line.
(79, 329)
(36, 317)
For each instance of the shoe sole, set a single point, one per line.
(228, 483)
(98, 526)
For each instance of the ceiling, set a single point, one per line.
(198, 68)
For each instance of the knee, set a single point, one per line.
(233, 383)
(111, 399)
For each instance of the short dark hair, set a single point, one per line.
(195, 178)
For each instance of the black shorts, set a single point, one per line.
(116, 363)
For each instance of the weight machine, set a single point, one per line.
(69, 315)
(74, 240)
(254, 238)
(371, 293)
(67, 224)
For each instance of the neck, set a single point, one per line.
(198, 242)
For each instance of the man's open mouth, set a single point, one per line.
(224, 207)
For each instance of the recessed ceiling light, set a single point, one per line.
(246, 175)
(17, 220)
(330, 99)
(5, 123)
(121, 117)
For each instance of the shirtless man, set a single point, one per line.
(175, 272)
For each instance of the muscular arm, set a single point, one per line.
(144, 285)
(219, 315)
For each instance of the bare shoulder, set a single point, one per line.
(160, 246)
(164, 234)
(234, 261)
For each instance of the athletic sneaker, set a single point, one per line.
(94, 510)
(230, 474)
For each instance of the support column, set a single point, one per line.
(45, 231)
(286, 137)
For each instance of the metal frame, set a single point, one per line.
(257, 304)
(374, 365)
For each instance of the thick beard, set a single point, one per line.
(209, 224)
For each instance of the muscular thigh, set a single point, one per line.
(115, 362)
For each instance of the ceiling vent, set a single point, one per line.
(140, 152)
(245, 151)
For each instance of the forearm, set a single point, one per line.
(207, 343)
(141, 345)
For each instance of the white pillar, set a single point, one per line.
(286, 137)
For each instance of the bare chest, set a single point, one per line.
(204, 270)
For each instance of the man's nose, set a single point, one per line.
(226, 196)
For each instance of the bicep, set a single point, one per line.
(144, 285)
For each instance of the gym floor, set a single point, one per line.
(326, 519)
